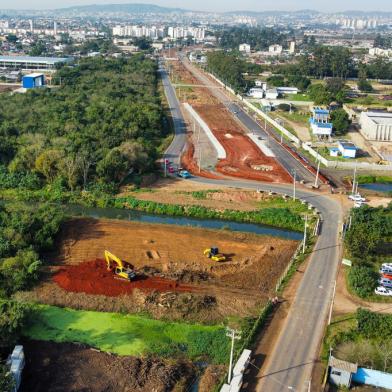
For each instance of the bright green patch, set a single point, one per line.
(128, 334)
(298, 97)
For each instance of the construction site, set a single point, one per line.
(173, 278)
(243, 158)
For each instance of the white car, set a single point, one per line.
(386, 265)
(380, 290)
(357, 198)
(386, 270)
(358, 204)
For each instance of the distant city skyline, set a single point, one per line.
(217, 5)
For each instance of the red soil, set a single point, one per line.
(189, 162)
(92, 277)
(242, 154)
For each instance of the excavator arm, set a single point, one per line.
(110, 257)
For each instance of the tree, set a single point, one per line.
(7, 381)
(47, 163)
(364, 85)
(13, 316)
(19, 272)
(341, 121)
(319, 94)
(363, 280)
(12, 38)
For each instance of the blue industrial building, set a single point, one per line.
(33, 80)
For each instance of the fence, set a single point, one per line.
(296, 140)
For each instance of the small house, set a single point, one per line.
(33, 80)
(334, 152)
(256, 92)
(347, 149)
(341, 372)
(272, 93)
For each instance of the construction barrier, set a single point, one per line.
(221, 153)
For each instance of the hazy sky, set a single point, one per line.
(217, 5)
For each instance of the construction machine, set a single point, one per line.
(213, 254)
(116, 265)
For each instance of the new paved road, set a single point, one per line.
(289, 366)
(173, 153)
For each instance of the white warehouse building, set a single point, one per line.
(376, 126)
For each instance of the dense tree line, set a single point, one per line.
(367, 244)
(383, 41)
(229, 68)
(103, 124)
(257, 38)
(336, 62)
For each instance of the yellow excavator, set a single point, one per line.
(213, 254)
(120, 270)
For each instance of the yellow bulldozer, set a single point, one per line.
(116, 265)
(213, 254)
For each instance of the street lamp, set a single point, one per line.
(294, 181)
(234, 335)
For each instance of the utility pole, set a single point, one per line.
(233, 334)
(305, 234)
(165, 167)
(354, 179)
(333, 298)
(295, 179)
(318, 170)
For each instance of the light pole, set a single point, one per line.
(354, 179)
(233, 334)
(294, 181)
(333, 298)
(318, 170)
(305, 234)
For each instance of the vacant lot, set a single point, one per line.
(191, 286)
(65, 367)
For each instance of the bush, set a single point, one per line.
(13, 316)
(374, 325)
(7, 381)
(362, 280)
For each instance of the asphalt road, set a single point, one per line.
(174, 152)
(290, 365)
(290, 163)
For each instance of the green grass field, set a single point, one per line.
(128, 334)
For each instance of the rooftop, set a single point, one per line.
(36, 60)
(343, 365)
(33, 75)
(379, 117)
(347, 145)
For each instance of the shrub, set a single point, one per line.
(362, 280)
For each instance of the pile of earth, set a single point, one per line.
(64, 367)
(92, 277)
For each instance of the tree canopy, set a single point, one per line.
(103, 123)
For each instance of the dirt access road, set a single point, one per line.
(170, 260)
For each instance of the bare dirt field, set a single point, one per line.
(65, 367)
(185, 193)
(175, 279)
(244, 159)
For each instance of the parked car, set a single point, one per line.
(184, 174)
(385, 282)
(357, 197)
(386, 265)
(358, 204)
(380, 290)
(385, 270)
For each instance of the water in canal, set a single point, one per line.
(377, 187)
(132, 215)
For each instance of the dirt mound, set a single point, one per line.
(92, 277)
(64, 367)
